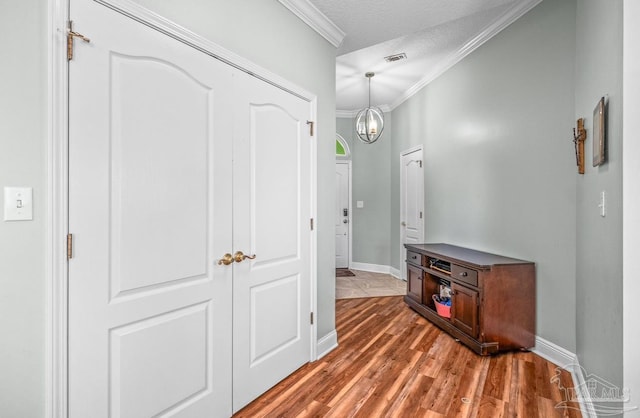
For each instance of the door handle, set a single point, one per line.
(226, 259)
(239, 256)
(345, 221)
(403, 223)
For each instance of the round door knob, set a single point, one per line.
(345, 221)
(403, 223)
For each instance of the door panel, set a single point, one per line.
(150, 210)
(178, 341)
(144, 169)
(342, 227)
(274, 184)
(411, 202)
(272, 160)
(274, 317)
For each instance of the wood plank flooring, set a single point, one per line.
(391, 362)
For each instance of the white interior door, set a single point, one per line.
(272, 211)
(150, 211)
(341, 214)
(411, 202)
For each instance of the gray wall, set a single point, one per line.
(371, 181)
(598, 239)
(23, 135)
(499, 162)
(263, 32)
(344, 127)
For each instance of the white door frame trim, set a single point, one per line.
(402, 154)
(345, 145)
(56, 350)
(57, 213)
(350, 217)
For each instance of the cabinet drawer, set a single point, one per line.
(465, 275)
(414, 258)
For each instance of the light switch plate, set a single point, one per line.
(360, 204)
(603, 204)
(18, 203)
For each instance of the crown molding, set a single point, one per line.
(346, 114)
(474, 43)
(313, 17)
(353, 113)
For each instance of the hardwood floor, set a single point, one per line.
(391, 362)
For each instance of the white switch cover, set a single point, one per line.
(603, 204)
(18, 203)
(359, 204)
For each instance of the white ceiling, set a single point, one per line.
(434, 34)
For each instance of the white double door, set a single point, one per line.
(176, 159)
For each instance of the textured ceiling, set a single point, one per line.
(430, 32)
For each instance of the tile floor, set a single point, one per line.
(366, 285)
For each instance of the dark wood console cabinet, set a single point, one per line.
(493, 298)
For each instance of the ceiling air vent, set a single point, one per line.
(396, 57)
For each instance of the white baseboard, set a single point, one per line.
(395, 273)
(554, 353)
(373, 268)
(586, 406)
(376, 268)
(568, 361)
(326, 344)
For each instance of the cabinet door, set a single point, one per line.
(464, 309)
(414, 283)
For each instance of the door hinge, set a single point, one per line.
(420, 215)
(311, 223)
(310, 123)
(420, 162)
(70, 35)
(69, 246)
(311, 318)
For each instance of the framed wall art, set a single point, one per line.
(599, 129)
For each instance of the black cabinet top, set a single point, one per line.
(464, 256)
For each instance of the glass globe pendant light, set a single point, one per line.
(370, 120)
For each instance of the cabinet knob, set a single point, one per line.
(463, 274)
